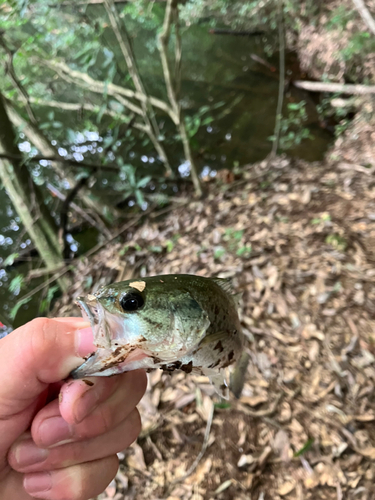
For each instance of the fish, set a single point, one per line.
(173, 322)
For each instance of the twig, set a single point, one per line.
(335, 87)
(64, 214)
(73, 263)
(177, 54)
(73, 205)
(72, 106)
(203, 449)
(91, 2)
(261, 413)
(280, 97)
(58, 159)
(170, 12)
(9, 68)
(365, 14)
(85, 81)
(147, 111)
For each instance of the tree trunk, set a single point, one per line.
(28, 200)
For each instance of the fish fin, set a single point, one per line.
(213, 337)
(237, 377)
(225, 284)
(219, 382)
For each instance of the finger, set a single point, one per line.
(117, 397)
(39, 353)
(26, 457)
(78, 482)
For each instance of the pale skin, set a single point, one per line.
(59, 438)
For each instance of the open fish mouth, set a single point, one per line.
(94, 312)
(89, 308)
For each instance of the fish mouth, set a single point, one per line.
(89, 309)
(94, 312)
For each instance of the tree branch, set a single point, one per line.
(365, 14)
(77, 77)
(280, 98)
(58, 159)
(9, 69)
(335, 87)
(170, 12)
(122, 36)
(72, 106)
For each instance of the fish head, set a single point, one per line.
(133, 320)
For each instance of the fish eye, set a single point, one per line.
(131, 301)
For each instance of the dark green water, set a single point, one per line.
(218, 71)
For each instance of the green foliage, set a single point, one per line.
(292, 131)
(132, 186)
(337, 242)
(15, 309)
(304, 448)
(324, 217)
(46, 302)
(16, 284)
(10, 259)
(219, 252)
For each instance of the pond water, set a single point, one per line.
(222, 75)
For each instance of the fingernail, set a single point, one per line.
(84, 341)
(55, 431)
(39, 482)
(27, 453)
(87, 403)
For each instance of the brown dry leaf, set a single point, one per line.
(135, 459)
(286, 488)
(254, 400)
(202, 470)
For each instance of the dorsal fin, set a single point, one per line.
(225, 284)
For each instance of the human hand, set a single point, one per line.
(58, 440)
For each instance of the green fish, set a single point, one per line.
(176, 321)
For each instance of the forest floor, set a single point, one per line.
(299, 241)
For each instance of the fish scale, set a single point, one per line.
(171, 322)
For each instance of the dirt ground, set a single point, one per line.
(299, 241)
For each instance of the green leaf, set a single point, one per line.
(222, 406)
(15, 309)
(16, 284)
(139, 197)
(304, 448)
(155, 248)
(10, 259)
(144, 181)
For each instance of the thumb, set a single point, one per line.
(35, 355)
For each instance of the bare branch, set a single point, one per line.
(77, 77)
(126, 49)
(335, 87)
(9, 69)
(365, 14)
(72, 106)
(280, 98)
(171, 12)
(58, 159)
